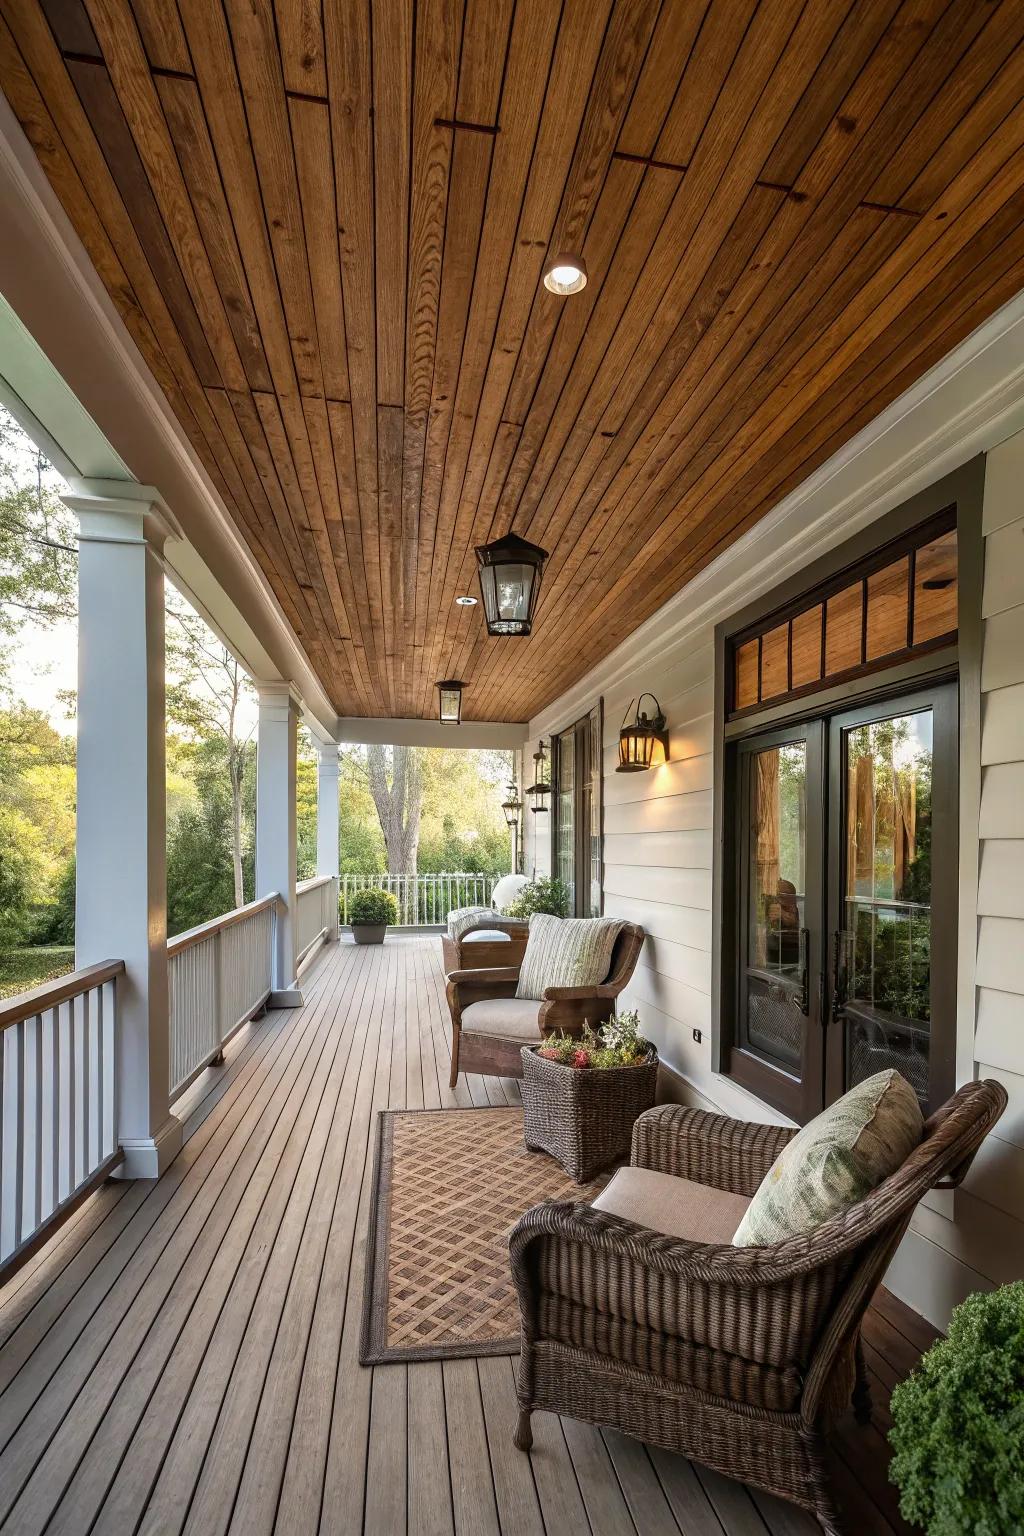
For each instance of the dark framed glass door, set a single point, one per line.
(776, 1051)
(845, 895)
(892, 892)
(576, 854)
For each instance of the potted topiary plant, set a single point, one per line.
(582, 1094)
(369, 913)
(958, 1423)
(543, 895)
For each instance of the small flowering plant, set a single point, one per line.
(617, 1044)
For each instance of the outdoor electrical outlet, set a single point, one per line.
(697, 1036)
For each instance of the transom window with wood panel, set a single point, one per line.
(576, 847)
(837, 888)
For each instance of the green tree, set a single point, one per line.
(206, 695)
(38, 554)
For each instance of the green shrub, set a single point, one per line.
(958, 1423)
(544, 895)
(370, 908)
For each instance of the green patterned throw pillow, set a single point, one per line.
(838, 1158)
(566, 952)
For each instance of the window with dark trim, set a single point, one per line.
(898, 603)
(576, 819)
(837, 720)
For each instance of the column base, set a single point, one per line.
(286, 997)
(146, 1157)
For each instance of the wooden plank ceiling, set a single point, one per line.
(325, 226)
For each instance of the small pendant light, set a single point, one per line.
(510, 570)
(449, 702)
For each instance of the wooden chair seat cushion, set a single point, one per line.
(503, 1018)
(662, 1202)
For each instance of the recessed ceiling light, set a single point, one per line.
(465, 602)
(565, 274)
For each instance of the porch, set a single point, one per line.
(184, 1353)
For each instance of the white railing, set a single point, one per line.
(316, 907)
(58, 1096)
(219, 974)
(423, 900)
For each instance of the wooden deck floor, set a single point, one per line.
(183, 1357)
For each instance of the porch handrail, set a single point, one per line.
(50, 994)
(424, 900)
(58, 1045)
(316, 905)
(201, 931)
(219, 974)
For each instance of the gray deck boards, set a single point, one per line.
(182, 1357)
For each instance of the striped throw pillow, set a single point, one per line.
(838, 1158)
(566, 952)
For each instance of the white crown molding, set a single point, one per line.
(970, 401)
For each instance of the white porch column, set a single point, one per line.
(121, 897)
(327, 818)
(275, 829)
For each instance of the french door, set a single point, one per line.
(576, 828)
(845, 850)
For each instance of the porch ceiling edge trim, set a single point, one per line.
(488, 735)
(967, 404)
(49, 282)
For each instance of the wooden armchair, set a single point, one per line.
(490, 1025)
(741, 1358)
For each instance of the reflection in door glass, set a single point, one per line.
(888, 897)
(776, 886)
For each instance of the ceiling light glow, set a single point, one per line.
(565, 274)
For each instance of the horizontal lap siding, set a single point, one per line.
(657, 872)
(997, 1178)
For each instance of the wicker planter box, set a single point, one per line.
(584, 1116)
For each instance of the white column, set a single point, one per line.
(276, 751)
(121, 898)
(327, 819)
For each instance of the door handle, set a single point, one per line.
(803, 1002)
(838, 977)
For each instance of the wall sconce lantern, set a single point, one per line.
(540, 788)
(449, 702)
(643, 742)
(510, 570)
(512, 806)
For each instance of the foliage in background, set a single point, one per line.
(38, 555)
(372, 907)
(958, 1423)
(543, 895)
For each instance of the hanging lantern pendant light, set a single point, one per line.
(510, 570)
(449, 701)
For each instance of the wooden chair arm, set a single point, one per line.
(497, 975)
(707, 1148)
(577, 994)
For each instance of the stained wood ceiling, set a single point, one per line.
(325, 228)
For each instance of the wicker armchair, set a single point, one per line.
(741, 1358)
(490, 1038)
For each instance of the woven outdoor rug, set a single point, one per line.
(448, 1184)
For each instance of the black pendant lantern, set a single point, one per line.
(643, 742)
(449, 702)
(510, 571)
(540, 788)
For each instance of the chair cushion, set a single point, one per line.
(838, 1158)
(486, 936)
(507, 1018)
(678, 1207)
(566, 952)
(506, 891)
(461, 918)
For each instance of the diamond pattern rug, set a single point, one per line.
(448, 1186)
